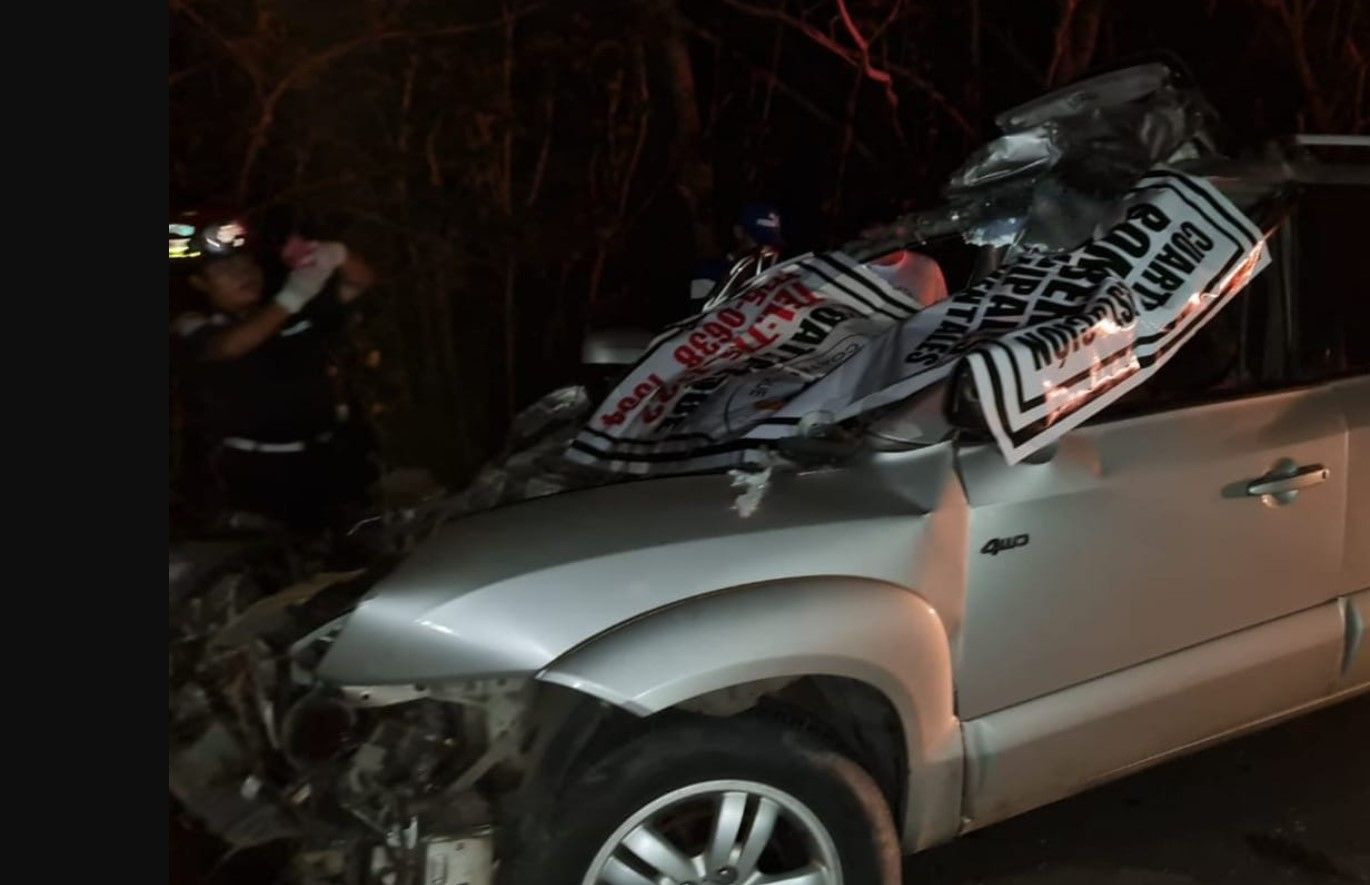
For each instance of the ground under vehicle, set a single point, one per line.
(920, 640)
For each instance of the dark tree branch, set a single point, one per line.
(863, 48)
(800, 100)
(854, 58)
(540, 167)
(311, 64)
(229, 49)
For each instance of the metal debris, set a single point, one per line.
(1066, 158)
(754, 484)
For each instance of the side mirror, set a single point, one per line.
(966, 414)
(964, 409)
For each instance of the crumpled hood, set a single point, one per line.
(508, 591)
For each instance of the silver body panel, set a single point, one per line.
(1355, 668)
(509, 591)
(1136, 551)
(1143, 604)
(1030, 754)
(885, 637)
(1353, 396)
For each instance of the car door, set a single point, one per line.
(1140, 536)
(1331, 332)
(1209, 503)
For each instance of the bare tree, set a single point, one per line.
(503, 161)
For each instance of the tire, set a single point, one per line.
(707, 765)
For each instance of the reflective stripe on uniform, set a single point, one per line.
(243, 444)
(296, 328)
(188, 324)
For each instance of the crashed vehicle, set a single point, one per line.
(912, 621)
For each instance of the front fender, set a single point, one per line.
(877, 633)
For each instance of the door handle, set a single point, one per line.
(1283, 483)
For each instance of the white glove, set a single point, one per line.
(310, 275)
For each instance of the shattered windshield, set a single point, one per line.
(1071, 260)
(1105, 259)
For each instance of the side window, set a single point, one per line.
(1234, 354)
(1332, 295)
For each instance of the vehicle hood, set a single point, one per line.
(508, 591)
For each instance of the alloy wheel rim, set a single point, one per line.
(722, 832)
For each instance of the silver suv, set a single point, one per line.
(912, 641)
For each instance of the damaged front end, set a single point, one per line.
(391, 784)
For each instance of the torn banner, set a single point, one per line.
(1049, 340)
(711, 381)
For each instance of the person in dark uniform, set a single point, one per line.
(757, 225)
(257, 369)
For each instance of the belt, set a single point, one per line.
(274, 448)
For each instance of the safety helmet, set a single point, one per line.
(201, 235)
(761, 222)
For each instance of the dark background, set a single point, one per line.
(520, 171)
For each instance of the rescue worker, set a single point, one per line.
(257, 369)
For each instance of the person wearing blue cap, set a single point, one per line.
(757, 225)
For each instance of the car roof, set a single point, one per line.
(1298, 159)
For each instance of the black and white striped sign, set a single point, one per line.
(1102, 319)
(1049, 339)
(711, 388)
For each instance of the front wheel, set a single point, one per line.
(727, 802)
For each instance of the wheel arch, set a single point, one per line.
(833, 629)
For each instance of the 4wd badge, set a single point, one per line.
(995, 546)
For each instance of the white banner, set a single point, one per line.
(1049, 339)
